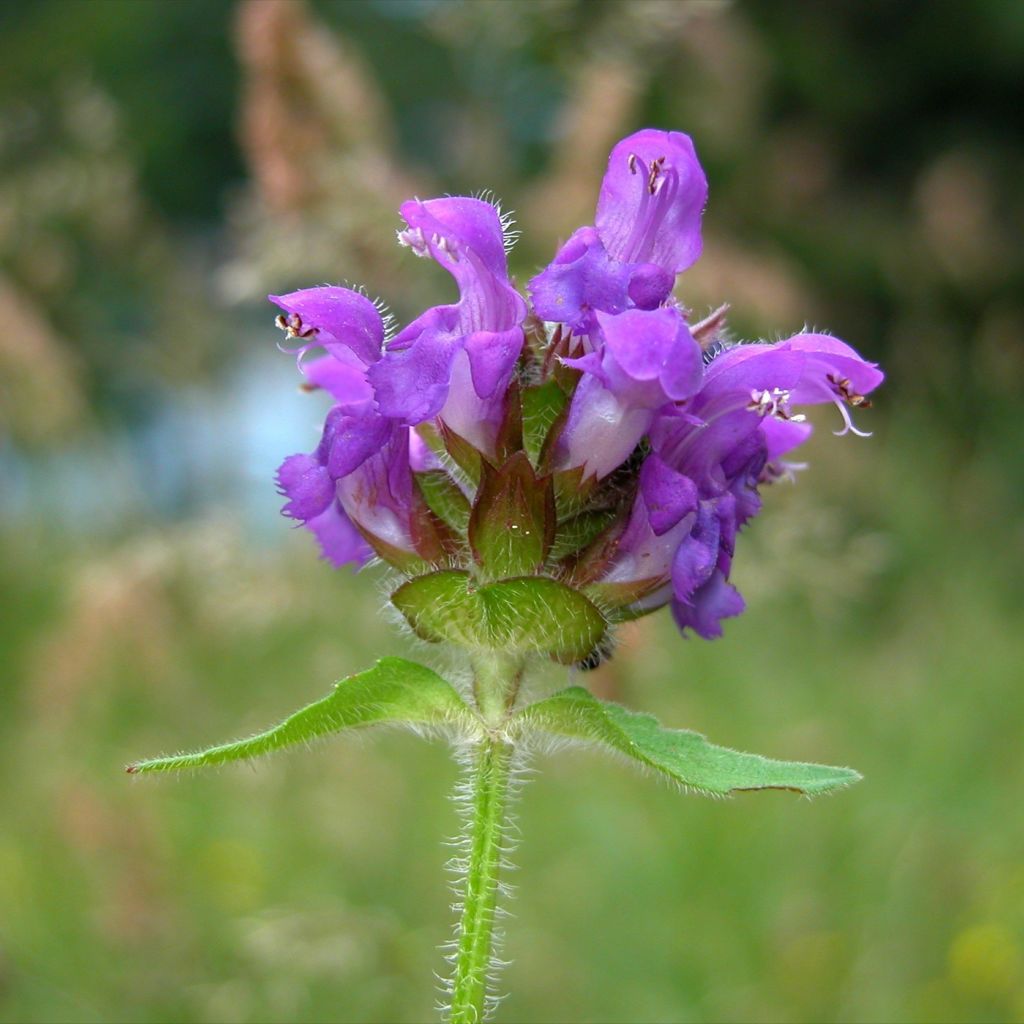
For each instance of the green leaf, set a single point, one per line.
(394, 690)
(685, 757)
(465, 456)
(527, 614)
(542, 405)
(444, 498)
(577, 532)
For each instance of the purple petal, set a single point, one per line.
(668, 495)
(338, 317)
(696, 557)
(466, 237)
(307, 485)
(421, 455)
(601, 430)
(649, 285)
(651, 346)
(716, 600)
(830, 355)
(728, 527)
(476, 419)
(378, 495)
(342, 378)
(451, 224)
(355, 438)
(411, 381)
(340, 542)
(782, 436)
(492, 358)
(581, 278)
(651, 201)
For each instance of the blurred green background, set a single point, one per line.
(164, 164)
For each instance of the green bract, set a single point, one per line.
(528, 614)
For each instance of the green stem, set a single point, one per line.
(488, 804)
(496, 679)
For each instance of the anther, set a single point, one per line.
(774, 403)
(631, 162)
(653, 175)
(292, 326)
(844, 389)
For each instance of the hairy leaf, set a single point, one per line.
(444, 497)
(513, 519)
(542, 406)
(394, 690)
(686, 757)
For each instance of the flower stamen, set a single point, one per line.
(775, 403)
(293, 327)
(844, 389)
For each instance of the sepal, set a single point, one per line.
(444, 497)
(530, 614)
(512, 524)
(465, 456)
(544, 411)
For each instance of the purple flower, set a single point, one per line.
(655, 435)
(640, 361)
(356, 497)
(662, 516)
(346, 325)
(724, 441)
(456, 361)
(751, 388)
(647, 230)
(312, 501)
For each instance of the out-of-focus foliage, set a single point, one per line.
(164, 164)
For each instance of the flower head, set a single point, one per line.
(601, 471)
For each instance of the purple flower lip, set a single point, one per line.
(337, 319)
(651, 201)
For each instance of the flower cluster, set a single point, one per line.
(596, 438)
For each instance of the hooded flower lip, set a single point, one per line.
(651, 201)
(347, 326)
(465, 236)
(338, 320)
(647, 230)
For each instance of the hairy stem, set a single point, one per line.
(488, 799)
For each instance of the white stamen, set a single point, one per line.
(850, 426)
(774, 403)
(413, 239)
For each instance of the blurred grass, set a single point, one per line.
(311, 887)
(161, 165)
